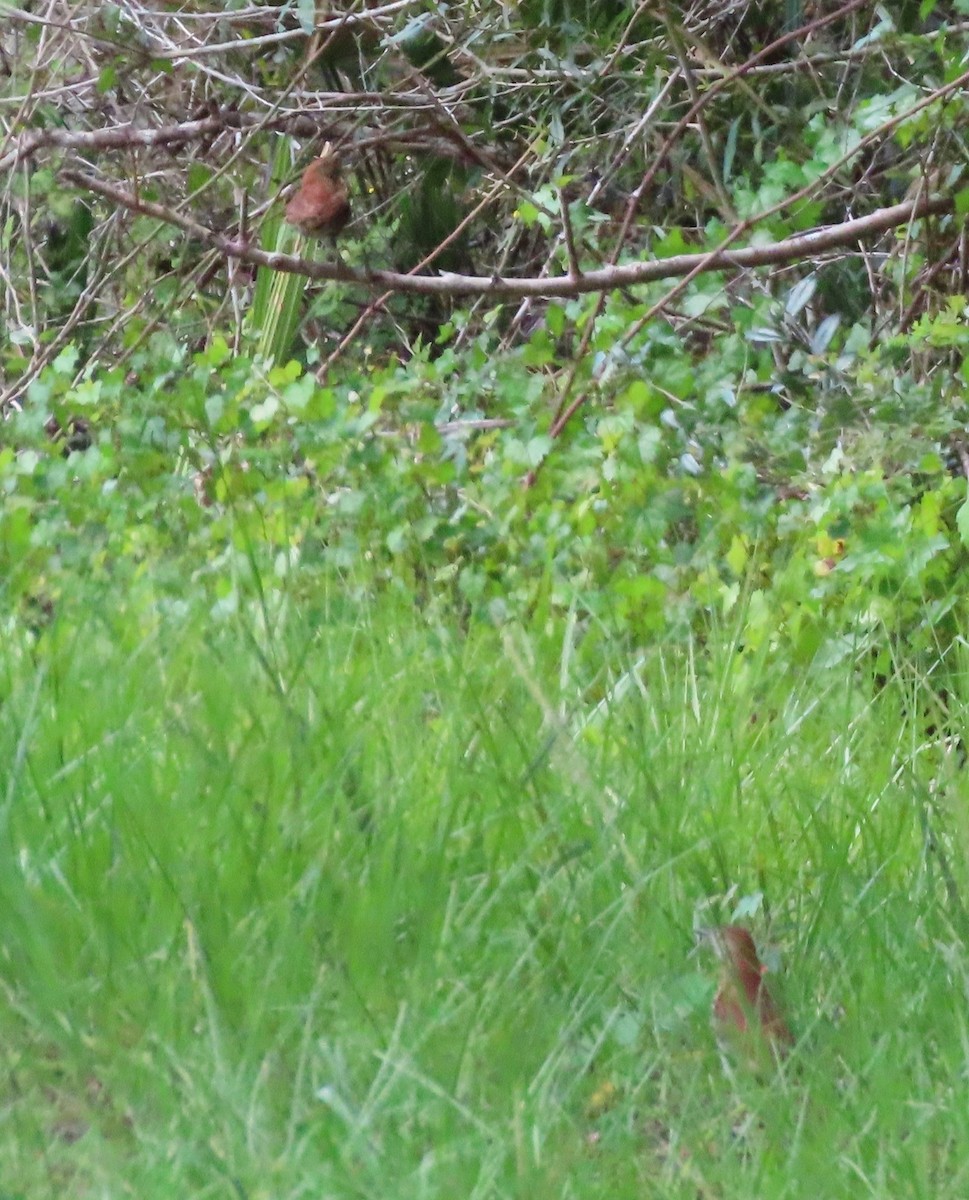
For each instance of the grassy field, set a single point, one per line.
(347, 903)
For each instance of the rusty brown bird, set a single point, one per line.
(746, 1017)
(321, 207)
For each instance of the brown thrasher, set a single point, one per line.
(746, 1017)
(321, 207)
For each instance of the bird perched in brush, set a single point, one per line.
(321, 207)
(747, 1019)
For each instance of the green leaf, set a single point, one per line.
(962, 522)
(306, 15)
(199, 174)
(527, 213)
(108, 79)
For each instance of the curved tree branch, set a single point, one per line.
(803, 245)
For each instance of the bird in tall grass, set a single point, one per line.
(747, 1019)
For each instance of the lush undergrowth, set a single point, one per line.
(359, 803)
(391, 682)
(677, 495)
(342, 898)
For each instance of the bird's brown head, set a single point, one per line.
(321, 206)
(327, 162)
(732, 944)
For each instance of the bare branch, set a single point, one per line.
(804, 246)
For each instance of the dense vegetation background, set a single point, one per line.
(407, 643)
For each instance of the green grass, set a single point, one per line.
(344, 903)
